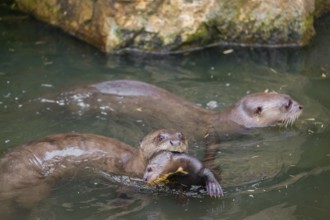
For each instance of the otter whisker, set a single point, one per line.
(292, 119)
(282, 123)
(289, 121)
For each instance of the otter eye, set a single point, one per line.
(160, 137)
(287, 106)
(180, 135)
(149, 169)
(258, 110)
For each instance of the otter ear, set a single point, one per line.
(258, 110)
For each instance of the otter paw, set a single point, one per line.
(214, 189)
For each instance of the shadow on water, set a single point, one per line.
(281, 172)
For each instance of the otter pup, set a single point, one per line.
(28, 172)
(160, 108)
(180, 169)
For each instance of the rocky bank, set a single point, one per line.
(170, 26)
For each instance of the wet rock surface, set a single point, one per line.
(167, 26)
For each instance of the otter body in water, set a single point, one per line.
(29, 172)
(180, 169)
(160, 108)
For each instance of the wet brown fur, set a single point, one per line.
(28, 172)
(162, 109)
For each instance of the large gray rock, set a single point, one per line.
(164, 26)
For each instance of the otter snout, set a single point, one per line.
(145, 178)
(296, 108)
(175, 142)
(150, 175)
(178, 140)
(294, 105)
(149, 181)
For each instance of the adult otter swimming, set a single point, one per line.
(27, 173)
(180, 169)
(160, 108)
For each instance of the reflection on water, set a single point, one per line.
(280, 170)
(95, 199)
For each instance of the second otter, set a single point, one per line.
(160, 108)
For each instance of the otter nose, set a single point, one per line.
(300, 107)
(174, 142)
(145, 178)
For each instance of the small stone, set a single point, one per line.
(228, 51)
(212, 104)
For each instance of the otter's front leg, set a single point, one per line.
(213, 187)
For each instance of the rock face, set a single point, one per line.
(165, 26)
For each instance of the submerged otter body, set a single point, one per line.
(160, 108)
(180, 170)
(29, 172)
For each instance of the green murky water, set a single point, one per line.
(282, 173)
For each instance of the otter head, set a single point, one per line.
(160, 167)
(163, 140)
(265, 109)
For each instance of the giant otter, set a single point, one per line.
(160, 108)
(180, 169)
(27, 173)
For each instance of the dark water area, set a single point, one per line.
(281, 173)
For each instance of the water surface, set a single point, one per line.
(282, 173)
